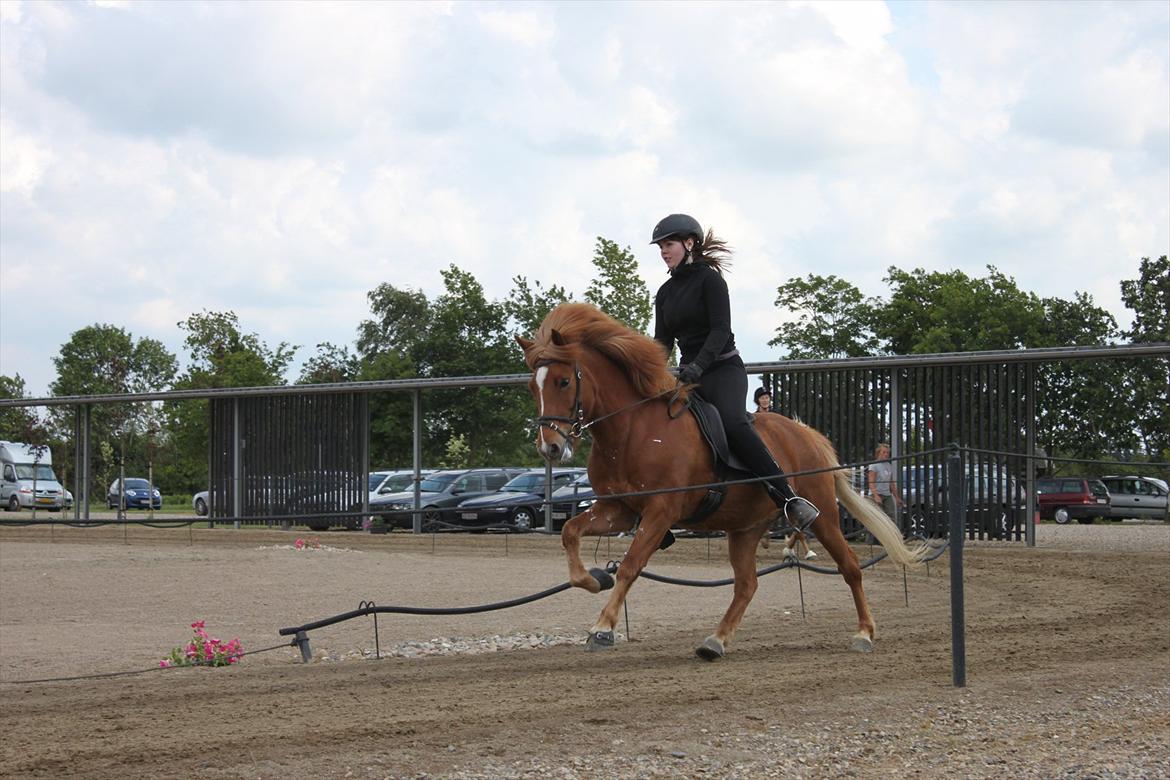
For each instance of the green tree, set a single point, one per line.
(16, 422)
(103, 360)
(1148, 297)
(1076, 399)
(528, 306)
(948, 311)
(221, 355)
(834, 319)
(618, 289)
(331, 364)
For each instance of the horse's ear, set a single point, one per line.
(525, 344)
(558, 339)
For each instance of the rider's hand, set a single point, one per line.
(689, 374)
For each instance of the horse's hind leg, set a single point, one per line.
(603, 517)
(741, 546)
(828, 530)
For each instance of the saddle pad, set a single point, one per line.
(707, 416)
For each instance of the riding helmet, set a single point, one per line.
(678, 226)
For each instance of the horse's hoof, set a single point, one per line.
(604, 579)
(808, 556)
(789, 553)
(710, 650)
(599, 640)
(862, 644)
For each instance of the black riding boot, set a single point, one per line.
(798, 512)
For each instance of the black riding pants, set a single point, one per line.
(724, 385)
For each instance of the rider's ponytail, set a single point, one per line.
(714, 252)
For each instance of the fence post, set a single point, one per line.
(957, 513)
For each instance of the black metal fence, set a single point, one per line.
(919, 408)
(301, 453)
(289, 457)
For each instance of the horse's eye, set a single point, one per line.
(564, 383)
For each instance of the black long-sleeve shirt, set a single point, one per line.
(693, 307)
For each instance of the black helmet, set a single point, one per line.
(760, 391)
(677, 226)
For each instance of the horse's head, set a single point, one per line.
(556, 387)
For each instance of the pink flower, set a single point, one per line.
(198, 624)
(165, 664)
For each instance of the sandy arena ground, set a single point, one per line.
(1068, 649)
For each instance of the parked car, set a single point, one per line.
(138, 494)
(27, 480)
(1067, 498)
(1136, 497)
(571, 500)
(201, 501)
(519, 503)
(384, 482)
(439, 490)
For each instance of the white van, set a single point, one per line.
(27, 479)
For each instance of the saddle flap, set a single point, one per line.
(707, 416)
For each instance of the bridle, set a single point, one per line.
(576, 419)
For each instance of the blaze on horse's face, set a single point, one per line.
(554, 387)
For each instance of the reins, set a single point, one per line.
(577, 423)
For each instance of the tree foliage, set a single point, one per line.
(1148, 379)
(17, 423)
(833, 319)
(618, 289)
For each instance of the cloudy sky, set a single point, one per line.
(281, 160)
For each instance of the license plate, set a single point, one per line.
(469, 515)
(1100, 501)
(560, 515)
(44, 500)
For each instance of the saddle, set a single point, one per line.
(725, 462)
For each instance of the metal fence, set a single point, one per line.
(301, 452)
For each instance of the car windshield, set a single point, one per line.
(437, 484)
(42, 472)
(1097, 487)
(525, 483)
(375, 480)
(137, 484)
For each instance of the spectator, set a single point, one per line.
(763, 400)
(882, 488)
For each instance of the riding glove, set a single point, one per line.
(689, 374)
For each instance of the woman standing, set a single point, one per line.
(693, 308)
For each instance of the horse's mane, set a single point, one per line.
(640, 357)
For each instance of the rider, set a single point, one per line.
(693, 307)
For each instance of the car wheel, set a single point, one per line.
(318, 525)
(200, 507)
(430, 522)
(1086, 520)
(524, 519)
(1061, 515)
(13, 503)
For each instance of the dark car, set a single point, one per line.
(571, 500)
(1136, 497)
(1067, 498)
(518, 504)
(138, 495)
(438, 491)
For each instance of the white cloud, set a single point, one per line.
(282, 160)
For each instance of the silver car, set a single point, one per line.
(1136, 497)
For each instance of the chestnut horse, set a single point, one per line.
(592, 372)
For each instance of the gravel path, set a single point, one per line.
(1068, 651)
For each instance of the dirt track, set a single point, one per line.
(1068, 653)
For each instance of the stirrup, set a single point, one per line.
(800, 512)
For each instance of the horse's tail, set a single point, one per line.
(875, 520)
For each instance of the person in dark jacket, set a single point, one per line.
(763, 400)
(693, 309)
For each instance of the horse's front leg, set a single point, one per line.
(602, 517)
(655, 523)
(741, 548)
